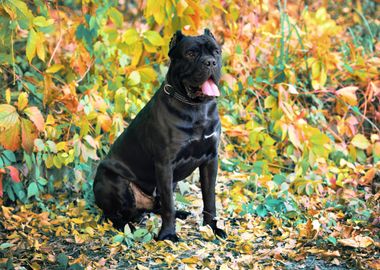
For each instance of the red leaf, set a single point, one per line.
(14, 173)
(35, 115)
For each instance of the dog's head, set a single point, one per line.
(195, 64)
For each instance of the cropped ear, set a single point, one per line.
(207, 32)
(175, 40)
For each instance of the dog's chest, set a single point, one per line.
(199, 142)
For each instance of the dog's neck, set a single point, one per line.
(174, 90)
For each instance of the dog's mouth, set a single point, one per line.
(207, 88)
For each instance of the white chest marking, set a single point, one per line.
(210, 135)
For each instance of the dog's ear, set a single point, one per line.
(207, 32)
(174, 41)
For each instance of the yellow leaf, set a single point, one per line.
(28, 134)
(40, 48)
(207, 233)
(8, 95)
(142, 267)
(54, 68)
(181, 6)
(169, 259)
(191, 260)
(147, 74)
(364, 241)
(90, 231)
(137, 52)
(154, 38)
(116, 16)
(31, 45)
(50, 120)
(22, 101)
(49, 161)
(61, 146)
(131, 36)
(270, 102)
(360, 141)
(42, 22)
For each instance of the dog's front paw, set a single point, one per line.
(172, 237)
(219, 232)
(167, 234)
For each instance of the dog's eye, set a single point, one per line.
(191, 53)
(217, 52)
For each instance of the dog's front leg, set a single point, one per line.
(208, 173)
(164, 178)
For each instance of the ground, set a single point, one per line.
(70, 235)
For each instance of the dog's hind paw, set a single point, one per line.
(182, 214)
(219, 232)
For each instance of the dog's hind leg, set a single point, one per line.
(114, 195)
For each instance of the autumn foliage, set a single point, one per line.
(300, 109)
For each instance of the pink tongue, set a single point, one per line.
(209, 88)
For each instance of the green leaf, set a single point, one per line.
(332, 240)
(32, 190)
(9, 155)
(6, 245)
(139, 233)
(360, 141)
(154, 38)
(31, 45)
(39, 144)
(118, 238)
(182, 199)
(279, 179)
(24, 15)
(261, 210)
(42, 181)
(62, 259)
(116, 16)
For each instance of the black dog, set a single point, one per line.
(175, 133)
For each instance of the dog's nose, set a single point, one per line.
(210, 62)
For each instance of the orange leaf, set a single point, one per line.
(105, 122)
(35, 115)
(293, 136)
(368, 177)
(347, 94)
(10, 138)
(14, 173)
(357, 241)
(28, 134)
